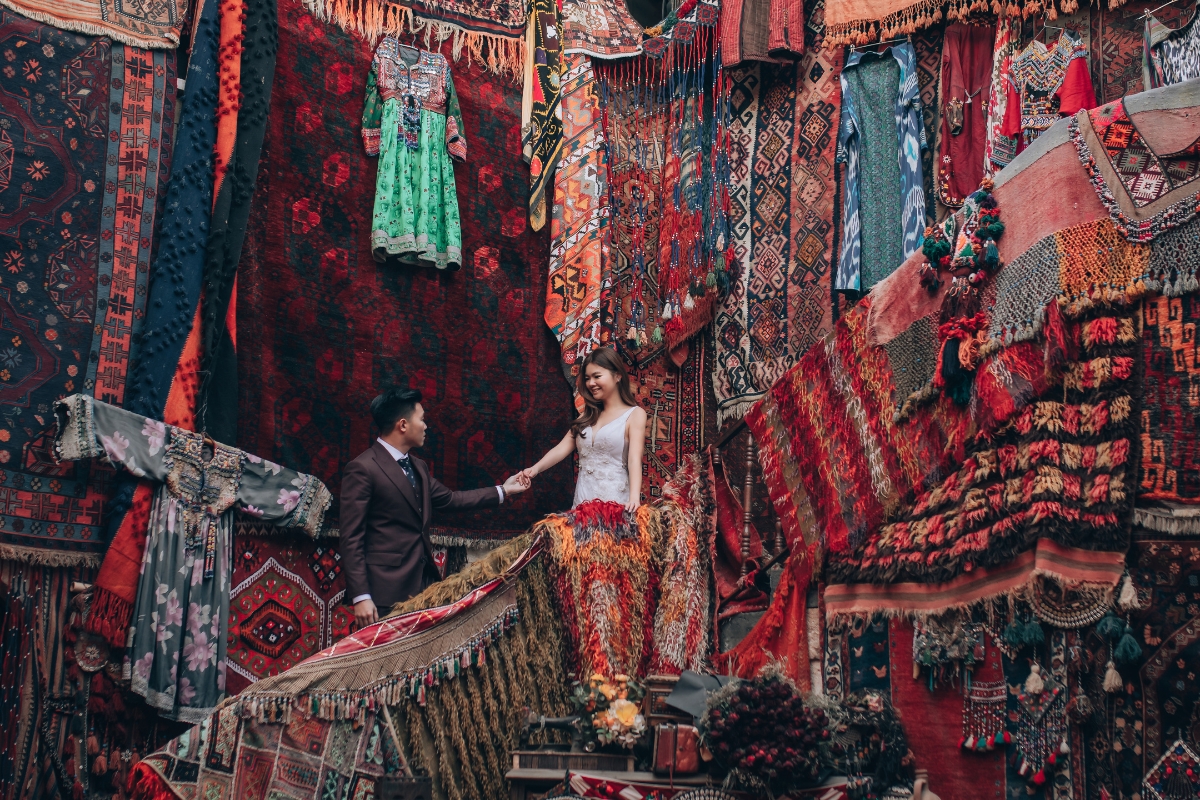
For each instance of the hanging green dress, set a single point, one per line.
(411, 120)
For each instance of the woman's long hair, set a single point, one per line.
(606, 358)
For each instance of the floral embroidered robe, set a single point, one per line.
(178, 638)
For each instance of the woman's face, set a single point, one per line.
(599, 382)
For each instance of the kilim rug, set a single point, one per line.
(287, 602)
(149, 25)
(928, 46)
(579, 223)
(673, 398)
(782, 199)
(1170, 462)
(86, 136)
(322, 327)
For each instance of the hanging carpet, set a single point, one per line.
(145, 25)
(86, 138)
(473, 343)
(783, 131)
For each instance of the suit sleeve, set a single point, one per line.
(444, 499)
(356, 497)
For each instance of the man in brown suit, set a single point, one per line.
(388, 497)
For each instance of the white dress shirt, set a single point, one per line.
(397, 455)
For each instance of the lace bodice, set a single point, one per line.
(603, 470)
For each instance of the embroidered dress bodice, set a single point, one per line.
(603, 467)
(402, 71)
(1038, 74)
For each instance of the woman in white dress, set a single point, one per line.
(609, 435)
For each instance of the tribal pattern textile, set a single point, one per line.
(604, 570)
(599, 28)
(86, 138)
(1007, 44)
(1145, 192)
(1044, 83)
(835, 461)
(879, 232)
(456, 727)
(286, 603)
(541, 114)
(928, 47)
(146, 25)
(1058, 471)
(579, 227)
(1170, 461)
(782, 203)
(1118, 62)
(683, 623)
(1175, 58)
(673, 398)
(497, 404)
(229, 758)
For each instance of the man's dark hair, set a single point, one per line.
(392, 406)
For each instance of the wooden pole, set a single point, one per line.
(747, 502)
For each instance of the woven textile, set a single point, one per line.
(928, 47)
(600, 28)
(456, 725)
(1004, 49)
(604, 570)
(835, 462)
(673, 398)
(474, 346)
(1170, 462)
(1120, 33)
(1059, 472)
(1145, 192)
(287, 602)
(86, 137)
(579, 222)
(783, 131)
(541, 115)
(147, 25)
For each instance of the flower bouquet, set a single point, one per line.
(609, 711)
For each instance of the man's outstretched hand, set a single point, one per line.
(517, 483)
(365, 612)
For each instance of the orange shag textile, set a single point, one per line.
(632, 589)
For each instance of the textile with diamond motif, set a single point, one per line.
(287, 602)
(784, 137)
(137, 24)
(86, 137)
(1146, 176)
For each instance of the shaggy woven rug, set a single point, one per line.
(322, 327)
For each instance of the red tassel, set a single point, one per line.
(1039, 777)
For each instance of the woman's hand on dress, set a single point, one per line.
(633, 505)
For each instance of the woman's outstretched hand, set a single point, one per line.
(516, 483)
(529, 473)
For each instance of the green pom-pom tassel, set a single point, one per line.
(1033, 633)
(1013, 637)
(657, 336)
(1110, 627)
(711, 280)
(1128, 650)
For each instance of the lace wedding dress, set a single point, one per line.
(603, 472)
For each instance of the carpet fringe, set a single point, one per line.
(736, 408)
(165, 42)
(1176, 522)
(374, 19)
(41, 557)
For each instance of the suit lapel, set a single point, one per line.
(422, 470)
(397, 476)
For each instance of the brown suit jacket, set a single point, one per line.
(385, 544)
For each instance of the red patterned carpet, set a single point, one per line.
(321, 326)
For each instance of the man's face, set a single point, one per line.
(413, 428)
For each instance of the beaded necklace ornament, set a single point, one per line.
(983, 717)
(1176, 776)
(1041, 727)
(410, 113)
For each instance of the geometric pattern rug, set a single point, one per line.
(323, 327)
(783, 133)
(86, 135)
(287, 602)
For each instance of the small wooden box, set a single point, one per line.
(654, 705)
